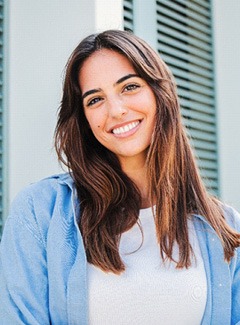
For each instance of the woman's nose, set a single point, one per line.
(117, 108)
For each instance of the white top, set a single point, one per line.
(148, 292)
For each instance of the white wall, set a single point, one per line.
(227, 63)
(108, 14)
(42, 35)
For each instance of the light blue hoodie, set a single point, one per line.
(43, 268)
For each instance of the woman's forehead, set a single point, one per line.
(104, 66)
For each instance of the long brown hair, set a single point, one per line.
(109, 200)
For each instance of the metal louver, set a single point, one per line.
(1, 116)
(128, 14)
(185, 44)
(184, 41)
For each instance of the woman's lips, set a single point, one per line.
(125, 128)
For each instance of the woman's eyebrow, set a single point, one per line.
(89, 92)
(126, 77)
(93, 91)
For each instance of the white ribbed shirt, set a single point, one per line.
(149, 291)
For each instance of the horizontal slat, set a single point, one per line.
(196, 97)
(128, 16)
(198, 110)
(181, 6)
(197, 116)
(195, 7)
(167, 30)
(211, 185)
(206, 164)
(203, 3)
(128, 25)
(205, 145)
(205, 154)
(211, 174)
(183, 74)
(202, 144)
(195, 87)
(187, 57)
(212, 191)
(185, 19)
(195, 134)
(184, 29)
(208, 181)
(187, 66)
(128, 5)
(197, 125)
(208, 173)
(185, 47)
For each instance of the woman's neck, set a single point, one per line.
(137, 172)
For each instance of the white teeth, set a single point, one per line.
(125, 128)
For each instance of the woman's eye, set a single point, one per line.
(131, 87)
(93, 101)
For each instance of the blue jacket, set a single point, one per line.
(43, 276)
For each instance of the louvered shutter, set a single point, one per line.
(1, 116)
(128, 14)
(184, 41)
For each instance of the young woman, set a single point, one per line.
(129, 235)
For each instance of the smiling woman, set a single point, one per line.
(119, 106)
(129, 233)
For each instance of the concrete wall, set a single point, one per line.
(41, 36)
(226, 16)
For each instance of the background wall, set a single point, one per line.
(42, 34)
(226, 18)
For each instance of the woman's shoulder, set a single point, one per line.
(36, 204)
(44, 190)
(232, 216)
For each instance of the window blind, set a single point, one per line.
(184, 41)
(1, 116)
(185, 44)
(128, 14)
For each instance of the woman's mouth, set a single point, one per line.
(125, 128)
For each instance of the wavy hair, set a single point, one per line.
(109, 200)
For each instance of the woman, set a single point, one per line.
(129, 235)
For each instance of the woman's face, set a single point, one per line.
(120, 106)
